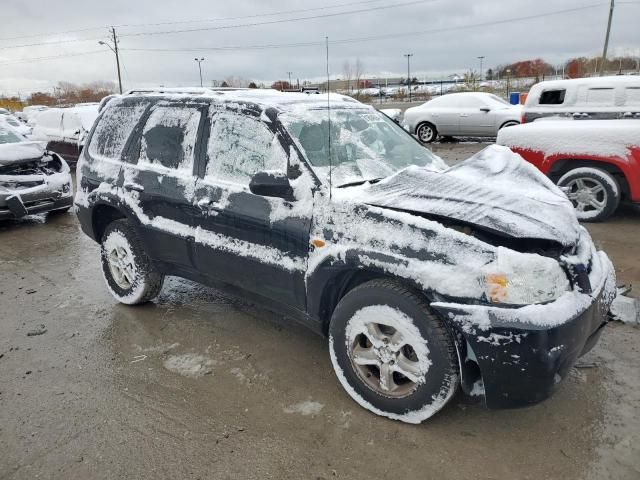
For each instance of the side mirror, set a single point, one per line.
(271, 184)
(485, 109)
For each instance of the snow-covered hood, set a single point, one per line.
(495, 189)
(15, 152)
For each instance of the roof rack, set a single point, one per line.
(184, 91)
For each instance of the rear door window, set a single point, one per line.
(241, 146)
(552, 97)
(113, 131)
(169, 138)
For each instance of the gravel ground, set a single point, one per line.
(202, 384)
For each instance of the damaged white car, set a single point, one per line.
(423, 278)
(32, 180)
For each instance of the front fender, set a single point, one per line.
(332, 275)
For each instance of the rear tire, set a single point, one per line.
(594, 193)
(128, 271)
(391, 353)
(426, 132)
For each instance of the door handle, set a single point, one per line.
(207, 206)
(133, 186)
(204, 204)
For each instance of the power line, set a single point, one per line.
(339, 41)
(257, 15)
(367, 38)
(283, 20)
(472, 25)
(51, 57)
(220, 19)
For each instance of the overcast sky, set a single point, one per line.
(449, 46)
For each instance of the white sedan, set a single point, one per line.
(468, 114)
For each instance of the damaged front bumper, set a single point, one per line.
(34, 192)
(516, 357)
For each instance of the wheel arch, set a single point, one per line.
(423, 122)
(103, 214)
(563, 166)
(509, 122)
(330, 282)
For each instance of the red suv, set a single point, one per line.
(596, 163)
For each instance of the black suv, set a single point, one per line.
(422, 277)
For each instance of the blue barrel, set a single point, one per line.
(514, 98)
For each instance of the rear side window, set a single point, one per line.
(601, 96)
(113, 130)
(461, 101)
(169, 138)
(239, 147)
(552, 97)
(632, 96)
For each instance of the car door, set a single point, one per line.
(255, 242)
(158, 182)
(476, 118)
(444, 115)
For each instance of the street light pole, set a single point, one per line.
(409, 55)
(481, 58)
(200, 60)
(114, 49)
(606, 39)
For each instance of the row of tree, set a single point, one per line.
(67, 93)
(572, 68)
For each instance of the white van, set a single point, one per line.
(584, 99)
(65, 129)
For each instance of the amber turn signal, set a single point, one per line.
(316, 242)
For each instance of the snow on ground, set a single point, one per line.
(308, 407)
(626, 309)
(191, 365)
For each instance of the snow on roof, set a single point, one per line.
(590, 82)
(602, 138)
(264, 97)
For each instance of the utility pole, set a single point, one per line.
(200, 60)
(289, 73)
(606, 39)
(114, 49)
(481, 58)
(409, 55)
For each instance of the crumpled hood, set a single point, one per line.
(15, 152)
(495, 189)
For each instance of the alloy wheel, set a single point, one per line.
(122, 267)
(587, 195)
(425, 133)
(386, 360)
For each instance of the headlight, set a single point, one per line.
(523, 279)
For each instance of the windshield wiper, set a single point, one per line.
(360, 182)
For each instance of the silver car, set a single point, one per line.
(32, 180)
(469, 114)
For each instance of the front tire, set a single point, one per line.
(391, 353)
(594, 193)
(510, 123)
(426, 132)
(128, 271)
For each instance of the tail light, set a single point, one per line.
(522, 118)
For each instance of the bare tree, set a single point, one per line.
(358, 71)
